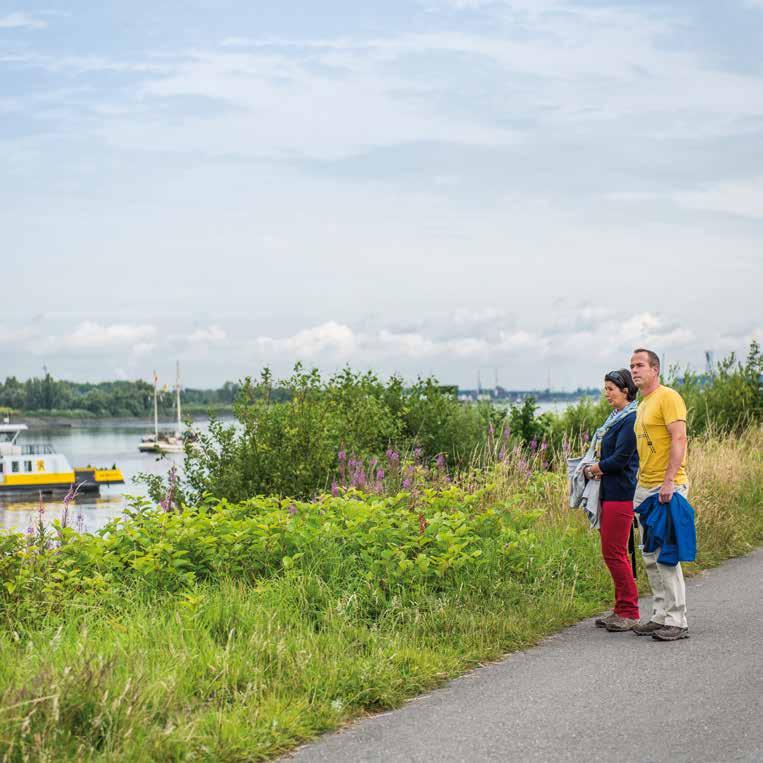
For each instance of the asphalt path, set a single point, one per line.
(589, 695)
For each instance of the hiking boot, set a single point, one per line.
(601, 622)
(670, 633)
(621, 624)
(647, 628)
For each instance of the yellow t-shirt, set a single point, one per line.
(655, 412)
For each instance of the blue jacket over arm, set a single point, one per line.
(670, 528)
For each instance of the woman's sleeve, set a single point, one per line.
(625, 446)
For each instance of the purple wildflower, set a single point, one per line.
(380, 475)
(291, 509)
(359, 477)
(166, 504)
(334, 489)
(393, 457)
(440, 461)
(417, 453)
(406, 484)
(533, 444)
(68, 498)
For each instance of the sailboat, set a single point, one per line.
(164, 442)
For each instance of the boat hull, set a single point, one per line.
(154, 448)
(84, 480)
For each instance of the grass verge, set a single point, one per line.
(243, 662)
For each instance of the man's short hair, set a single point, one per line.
(654, 358)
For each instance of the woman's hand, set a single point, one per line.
(593, 472)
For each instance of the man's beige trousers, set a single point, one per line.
(667, 582)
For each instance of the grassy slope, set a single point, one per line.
(237, 672)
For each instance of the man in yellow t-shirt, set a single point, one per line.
(661, 443)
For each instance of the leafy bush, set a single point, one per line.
(291, 446)
(728, 399)
(384, 542)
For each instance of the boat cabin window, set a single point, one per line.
(14, 466)
(27, 466)
(2, 467)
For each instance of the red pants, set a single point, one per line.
(616, 521)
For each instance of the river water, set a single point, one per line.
(100, 443)
(103, 443)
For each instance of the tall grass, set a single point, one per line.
(243, 662)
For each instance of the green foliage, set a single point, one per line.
(381, 544)
(729, 399)
(526, 425)
(291, 446)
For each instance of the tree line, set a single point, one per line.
(48, 396)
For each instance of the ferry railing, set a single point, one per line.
(32, 449)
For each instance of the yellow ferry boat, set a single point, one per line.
(36, 467)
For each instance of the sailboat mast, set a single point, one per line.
(156, 409)
(177, 391)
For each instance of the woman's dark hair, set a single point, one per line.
(624, 381)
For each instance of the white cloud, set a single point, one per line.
(650, 330)
(20, 20)
(330, 337)
(481, 315)
(94, 336)
(13, 337)
(338, 340)
(736, 341)
(143, 348)
(211, 335)
(333, 341)
(330, 98)
(743, 198)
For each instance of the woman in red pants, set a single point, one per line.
(617, 469)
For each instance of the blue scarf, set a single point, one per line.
(612, 419)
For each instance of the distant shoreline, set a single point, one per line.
(62, 422)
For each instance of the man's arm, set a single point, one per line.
(677, 452)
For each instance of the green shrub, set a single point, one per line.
(728, 399)
(291, 446)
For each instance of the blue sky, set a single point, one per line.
(421, 187)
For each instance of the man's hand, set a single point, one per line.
(666, 491)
